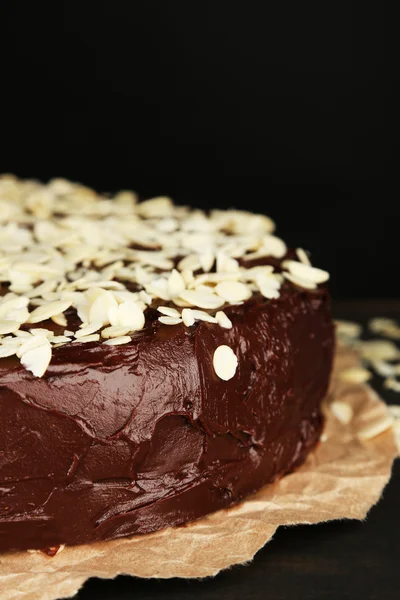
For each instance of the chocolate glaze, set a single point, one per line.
(121, 440)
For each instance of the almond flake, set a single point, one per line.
(190, 262)
(155, 207)
(115, 331)
(355, 375)
(379, 324)
(142, 275)
(100, 307)
(305, 272)
(8, 326)
(31, 342)
(394, 410)
(207, 260)
(211, 278)
(22, 334)
(169, 311)
(59, 339)
(167, 225)
(37, 359)
(118, 341)
(374, 429)
(202, 299)
(169, 320)
(223, 320)
(43, 288)
(383, 368)
(303, 256)
(342, 411)
(88, 330)
(45, 332)
(145, 297)
(127, 314)
(42, 313)
(233, 291)
(378, 350)
(225, 362)
(188, 277)
(303, 283)
(8, 350)
(273, 246)
(158, 288)
(200, 315)
(87, 338)
(387, 327)
(255, 273)
(188, 317)
(11, 305)
(392, 384)
(60, 319)
(181, 303)
(348, 329)
(176, 284)
(155, 259)
(269, 286)
(226, 264)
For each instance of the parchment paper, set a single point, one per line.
(342, 479)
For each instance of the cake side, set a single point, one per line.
(120, 440)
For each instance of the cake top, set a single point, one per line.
(66, 250)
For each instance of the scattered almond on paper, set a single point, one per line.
(342, 411)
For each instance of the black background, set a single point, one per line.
(277, 107)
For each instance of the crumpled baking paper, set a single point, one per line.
(342, 479)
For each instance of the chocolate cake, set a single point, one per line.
(157, 363)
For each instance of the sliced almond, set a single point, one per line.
(169, 320)
(88, 330)
(383, 368)
(303, 283)
(88, 338)
(392, 384)
(8, 326)
(202, 299)
(306, 272)
(342, 411)
(42, 313)
(374, 429)
(223, 320)
(188, 317)
(200, 315)
(378, 350)
(176, 284)
(225, 362)
(394, 410)
(303, 256)
(114, 331)
(118, 341)
(60, 319)
(348, 329)
(233, 291)
(37, 359)
(127, 314)
(168, 311)
(355, 375)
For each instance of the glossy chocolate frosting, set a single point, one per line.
(122, 440)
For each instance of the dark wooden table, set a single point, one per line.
(333, 561)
